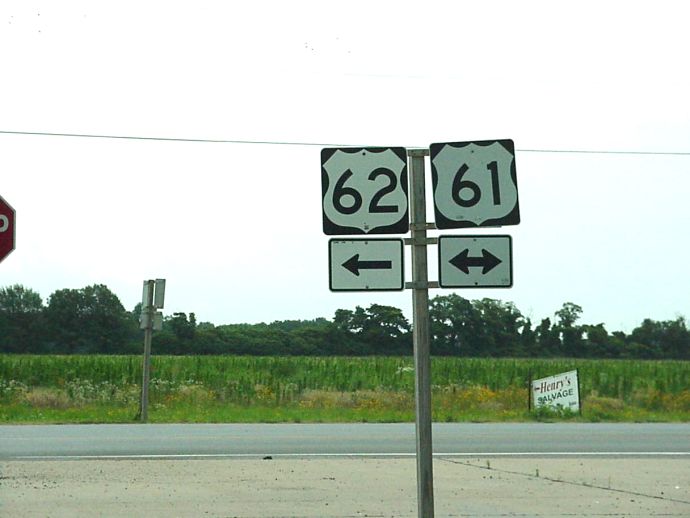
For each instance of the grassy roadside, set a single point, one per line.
(477, 404)
(234, 389)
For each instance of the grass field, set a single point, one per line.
(312, 389)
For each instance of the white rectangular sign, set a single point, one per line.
(366, 265)
(559, 391)
(475, 261)
(159, 294)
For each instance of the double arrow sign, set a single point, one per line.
(475, 261)
(378, 264)
(487, 261)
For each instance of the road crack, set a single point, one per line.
(536, 476)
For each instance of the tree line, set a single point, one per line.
(92, 320)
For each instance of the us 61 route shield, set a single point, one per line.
(475, 184)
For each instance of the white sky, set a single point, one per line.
(236, 228)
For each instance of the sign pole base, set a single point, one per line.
(421, 334)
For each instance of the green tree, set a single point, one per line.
(87, 320)
(293, 325)
(182, 327)
(207, 339)
(309, 340)
(666, 339)
(21, 320)
(599, 344)
(568, 315)
(455, 326)
(379, 329)
(305, 337)
(528, 339)
(17, 299)
(342, 337)
(386, 330)
(501, 327)
(571, 334)
(676, 339)
(548, 341)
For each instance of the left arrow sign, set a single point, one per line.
(366, 264)
(354, 265)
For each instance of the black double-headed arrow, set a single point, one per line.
(355, 265)
(464, 262)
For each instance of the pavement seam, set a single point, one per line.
(561, 481)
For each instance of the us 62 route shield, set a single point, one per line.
(475, 184)
(364, 191)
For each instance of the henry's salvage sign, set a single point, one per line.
(561, 390)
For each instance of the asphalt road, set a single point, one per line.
(343, 470)
(228, 440)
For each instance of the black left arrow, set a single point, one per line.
(487, 261)
(355, 265)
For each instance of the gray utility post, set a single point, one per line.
(152, 299)
(421, 334)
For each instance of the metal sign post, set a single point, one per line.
(147, 324)
(152, 299)
(365, 191)
(421, 335)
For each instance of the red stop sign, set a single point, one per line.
(7, 217)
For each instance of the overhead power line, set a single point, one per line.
(164, 139)
(322, 144)
(605, 152)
